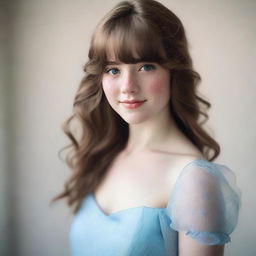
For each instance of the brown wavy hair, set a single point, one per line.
(151, 32)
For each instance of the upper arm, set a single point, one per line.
(203, 209)
(190, 247)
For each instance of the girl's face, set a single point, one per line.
(137, 92)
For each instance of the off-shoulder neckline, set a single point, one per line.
(124, 211)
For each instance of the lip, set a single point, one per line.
(131, 104)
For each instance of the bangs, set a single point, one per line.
(130, 40)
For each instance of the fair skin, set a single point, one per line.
(153, 135)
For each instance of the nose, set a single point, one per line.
(129, 83)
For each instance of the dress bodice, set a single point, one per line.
(204, 203)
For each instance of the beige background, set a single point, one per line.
(44, 45)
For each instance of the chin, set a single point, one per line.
(135, 119)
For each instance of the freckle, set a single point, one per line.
(156, 88)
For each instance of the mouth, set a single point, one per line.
(131, 104)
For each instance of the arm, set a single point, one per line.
(203, 209)
(189, 247)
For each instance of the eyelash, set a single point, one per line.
(109, 69)
(152, 67)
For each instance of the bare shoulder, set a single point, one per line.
(178, 162)
(181, 151)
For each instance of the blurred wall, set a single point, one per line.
(47, 49)
(4, 205)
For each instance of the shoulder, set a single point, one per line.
(202, 176)
(178, 163)
(205, 201)
(181, 153)
(204, 189)
(213, 172)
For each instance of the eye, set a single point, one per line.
(147, 67)
(112, 71)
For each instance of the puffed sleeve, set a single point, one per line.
(205, 202)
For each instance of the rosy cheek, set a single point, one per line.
(156, 88)
(159, 87)
(109, 88)
(160, 83)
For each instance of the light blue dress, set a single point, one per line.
(204, 203)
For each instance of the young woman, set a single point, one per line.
(144, 182)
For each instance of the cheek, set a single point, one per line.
(109, 89)
(160, 87)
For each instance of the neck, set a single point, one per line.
(155, 134)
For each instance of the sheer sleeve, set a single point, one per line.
(205, 202)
